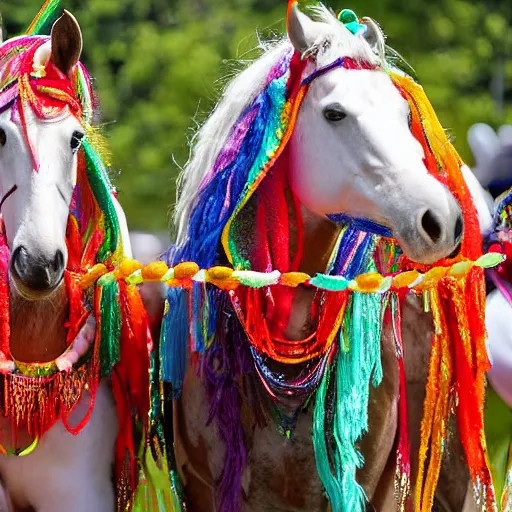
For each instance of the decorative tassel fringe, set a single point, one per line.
(224, 370)
(458, 362)
(358, 365)
(174, 341)
(403, 453)
(5, 311)
(107, 298)
(37, 403)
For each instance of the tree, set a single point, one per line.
(159, 66)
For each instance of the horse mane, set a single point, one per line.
(238, 96)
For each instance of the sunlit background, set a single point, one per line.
(159, 66)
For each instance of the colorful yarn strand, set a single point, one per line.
(44, 18)
(357, 368)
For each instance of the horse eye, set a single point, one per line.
(3, 137)
(76, 141)
(334, 113)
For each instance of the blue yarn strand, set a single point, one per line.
(174, 340)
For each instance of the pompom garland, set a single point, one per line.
(226, 278)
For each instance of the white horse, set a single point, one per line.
(351, 151)
(65, 472)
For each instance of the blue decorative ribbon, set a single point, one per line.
(367, 225)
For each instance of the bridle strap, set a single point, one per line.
(338, 63)
(10, 193)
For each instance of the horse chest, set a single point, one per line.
(67, 472)
(281, 472)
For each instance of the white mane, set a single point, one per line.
(336, 41)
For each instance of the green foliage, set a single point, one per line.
(159, 65)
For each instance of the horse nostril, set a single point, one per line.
(19, 260)
(459, 228)
(58, 261)
(456, 251)
(431, 226)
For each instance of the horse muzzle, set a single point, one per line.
(36, 276)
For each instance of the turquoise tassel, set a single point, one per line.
(357, 364)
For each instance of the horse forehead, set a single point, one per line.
(358, 89)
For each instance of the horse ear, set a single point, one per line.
(302, 30)
(66, 43)
(374, 37)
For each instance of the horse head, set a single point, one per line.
(41, 130)
(352, 148)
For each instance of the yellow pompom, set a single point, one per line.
(221, 277)
(218, 273)
(129, 266)
(154, 271)
(93, 275)
(186, 270)
(405, 279)
(369, 282)
(293, 279)
(433, 276)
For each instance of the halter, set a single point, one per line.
(359, 223)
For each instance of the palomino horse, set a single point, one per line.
(42, 128)
(351, 151)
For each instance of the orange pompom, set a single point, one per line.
(221, 277)
(369, 282)
(154, 271)
(93, 275)
(129, 266)
(405, 279)
(186, 270)
(433, 276)
(294, 279)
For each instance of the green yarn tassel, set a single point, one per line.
(102, 190)
(159, 488)
(44, 19)
(154, 494)
(110, 314)
(341, 406)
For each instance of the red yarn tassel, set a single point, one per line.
(463, 302)
(74, 244)
(77, 311)
(403, 466)
(5, 312)
(130, 384)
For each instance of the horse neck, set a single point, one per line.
(320, 237)
(38, 332)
